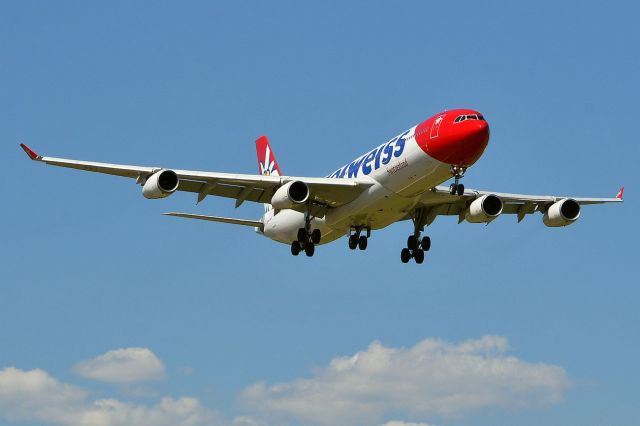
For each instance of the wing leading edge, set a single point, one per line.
(438, 201)
(241, 187)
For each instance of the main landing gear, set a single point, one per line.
(307, 239)
(416, 246)
(457, 188)
(356, 240)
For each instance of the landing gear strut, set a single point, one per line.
(457, 188)
(306, 239)
(356, 240)
(416, 246)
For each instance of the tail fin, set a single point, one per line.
(267, 164)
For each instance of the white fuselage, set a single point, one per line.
(399, 172)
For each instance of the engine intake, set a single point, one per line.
(160, 184)
(562, 213)
(290, 194)
(484, 209)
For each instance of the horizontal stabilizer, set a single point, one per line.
(255, 223)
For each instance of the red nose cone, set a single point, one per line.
(460, 144)
(462, 148)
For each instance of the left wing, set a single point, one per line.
(438, 201)
(323, 192)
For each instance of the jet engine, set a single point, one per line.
(484, 209)
(562, 213)
(290, 194)
(160, 184)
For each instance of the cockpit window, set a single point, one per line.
(461, 118)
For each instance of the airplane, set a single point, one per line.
(399, 180)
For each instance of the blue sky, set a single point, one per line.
(111, 310)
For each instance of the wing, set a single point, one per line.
(438, 201)
(324, 192)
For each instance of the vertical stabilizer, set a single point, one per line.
(267, 164)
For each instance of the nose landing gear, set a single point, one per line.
(457, 188)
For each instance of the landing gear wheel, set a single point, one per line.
(457, 172)
(353, 241)
(362, 242)
(412, 242)
(417, 245)
(315, 236)
(425, 244)
(302, 235)
(309, 249)
(295, 248)
(405, 255)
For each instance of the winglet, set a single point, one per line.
(31, 153)
(620, 193)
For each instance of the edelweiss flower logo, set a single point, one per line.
(267, 168)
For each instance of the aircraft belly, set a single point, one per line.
(398, 187)
(283, 227)
(395, 192)
(375, 208)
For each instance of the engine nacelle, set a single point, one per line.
(484, 209)
(160, 184)
(562, 213)
(290, 194)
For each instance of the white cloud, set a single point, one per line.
(126, 365)
(183, 411)
(247, 421)
(432, 378)
(36, 396)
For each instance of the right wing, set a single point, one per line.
(324, 192)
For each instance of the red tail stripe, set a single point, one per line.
(262, 143)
